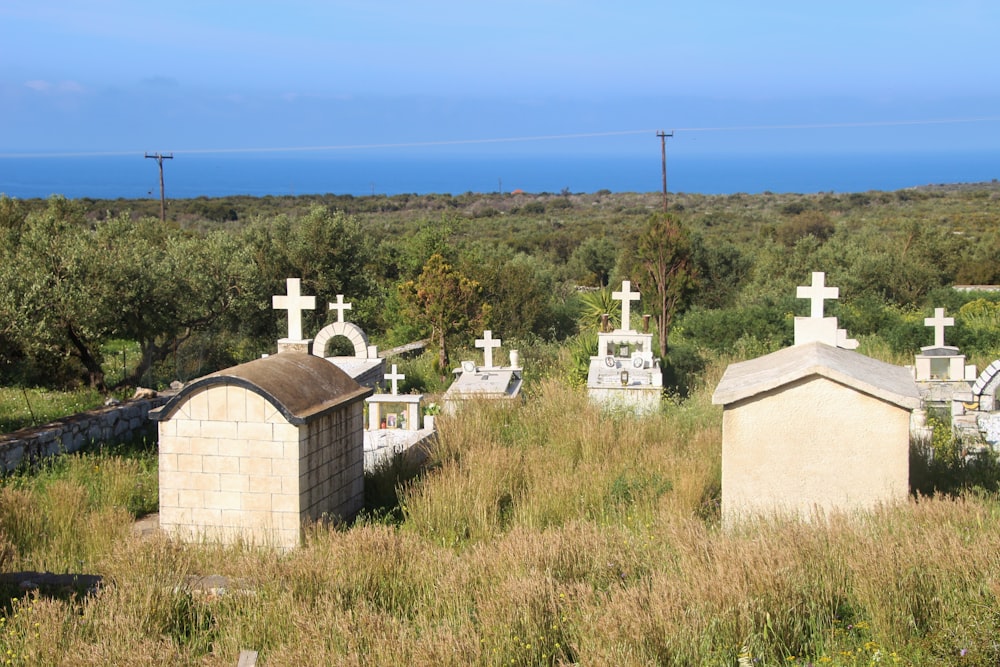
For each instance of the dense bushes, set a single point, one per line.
(76, 274)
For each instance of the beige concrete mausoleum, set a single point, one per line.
(253, 451)
(815, 427)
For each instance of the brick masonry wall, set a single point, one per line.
(332, 464)
(116, 423)
(229, 470)
(233, 469)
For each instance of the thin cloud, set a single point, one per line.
(42, 86)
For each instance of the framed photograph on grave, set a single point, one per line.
(390, 421)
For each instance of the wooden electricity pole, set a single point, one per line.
(663, 157)
(163, 201)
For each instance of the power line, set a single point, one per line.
(517, 139)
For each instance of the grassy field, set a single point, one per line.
(23, 407)
(546, 533)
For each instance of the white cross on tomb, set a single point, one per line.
(394, 377)
(939, 322)
(626, 296)
(294, 303)
(340, 307)
(487, 342)
(817, 293)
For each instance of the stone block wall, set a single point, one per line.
(116, 423)
(229, 469)
(233, 468)
(332, 464)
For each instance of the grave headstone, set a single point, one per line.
(485, 382)
(294, 302)
(817, 327)
(939, 322)
(626, 296)
(394, 423)
(624, 374)
(488, 343)
(943, 377)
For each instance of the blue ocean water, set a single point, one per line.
(193, 175)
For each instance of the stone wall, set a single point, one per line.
(115, 423)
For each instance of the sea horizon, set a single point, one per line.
(189, 176)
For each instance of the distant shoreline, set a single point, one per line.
(993, 184)
(194, 176)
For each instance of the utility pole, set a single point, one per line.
(663, 157)
(163, 201)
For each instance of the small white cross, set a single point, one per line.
(939, 322)
(487, 342)
(817, 293)
(294, 303)
(394, 376)
(626, 296)
(340, 307)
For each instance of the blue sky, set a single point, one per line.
(727, 76)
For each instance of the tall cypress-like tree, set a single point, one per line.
(663, 262)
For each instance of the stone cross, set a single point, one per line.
(394, 377)
(626, 296)
(294, 303)
(817, 293)
(340, 307)
(939, 322)
(487, 342)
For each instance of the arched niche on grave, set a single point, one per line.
(987, 386)
(352, 332)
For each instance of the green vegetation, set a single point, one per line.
(546, 532)
(65, 513)
(541, 535)
(21, 407)
(191, 296)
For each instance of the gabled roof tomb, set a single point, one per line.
(884, 381)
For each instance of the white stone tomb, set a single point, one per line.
(487, 381)
(624, 374)
(395, 424)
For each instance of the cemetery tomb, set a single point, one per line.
(364, 365)
(624, 374)
(940, 370)
(396, 425)
(487, 381)
(814, 428)
(940, 362)
(945, 380)
(253, 451)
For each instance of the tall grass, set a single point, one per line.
(551, 533)
(66, 512)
